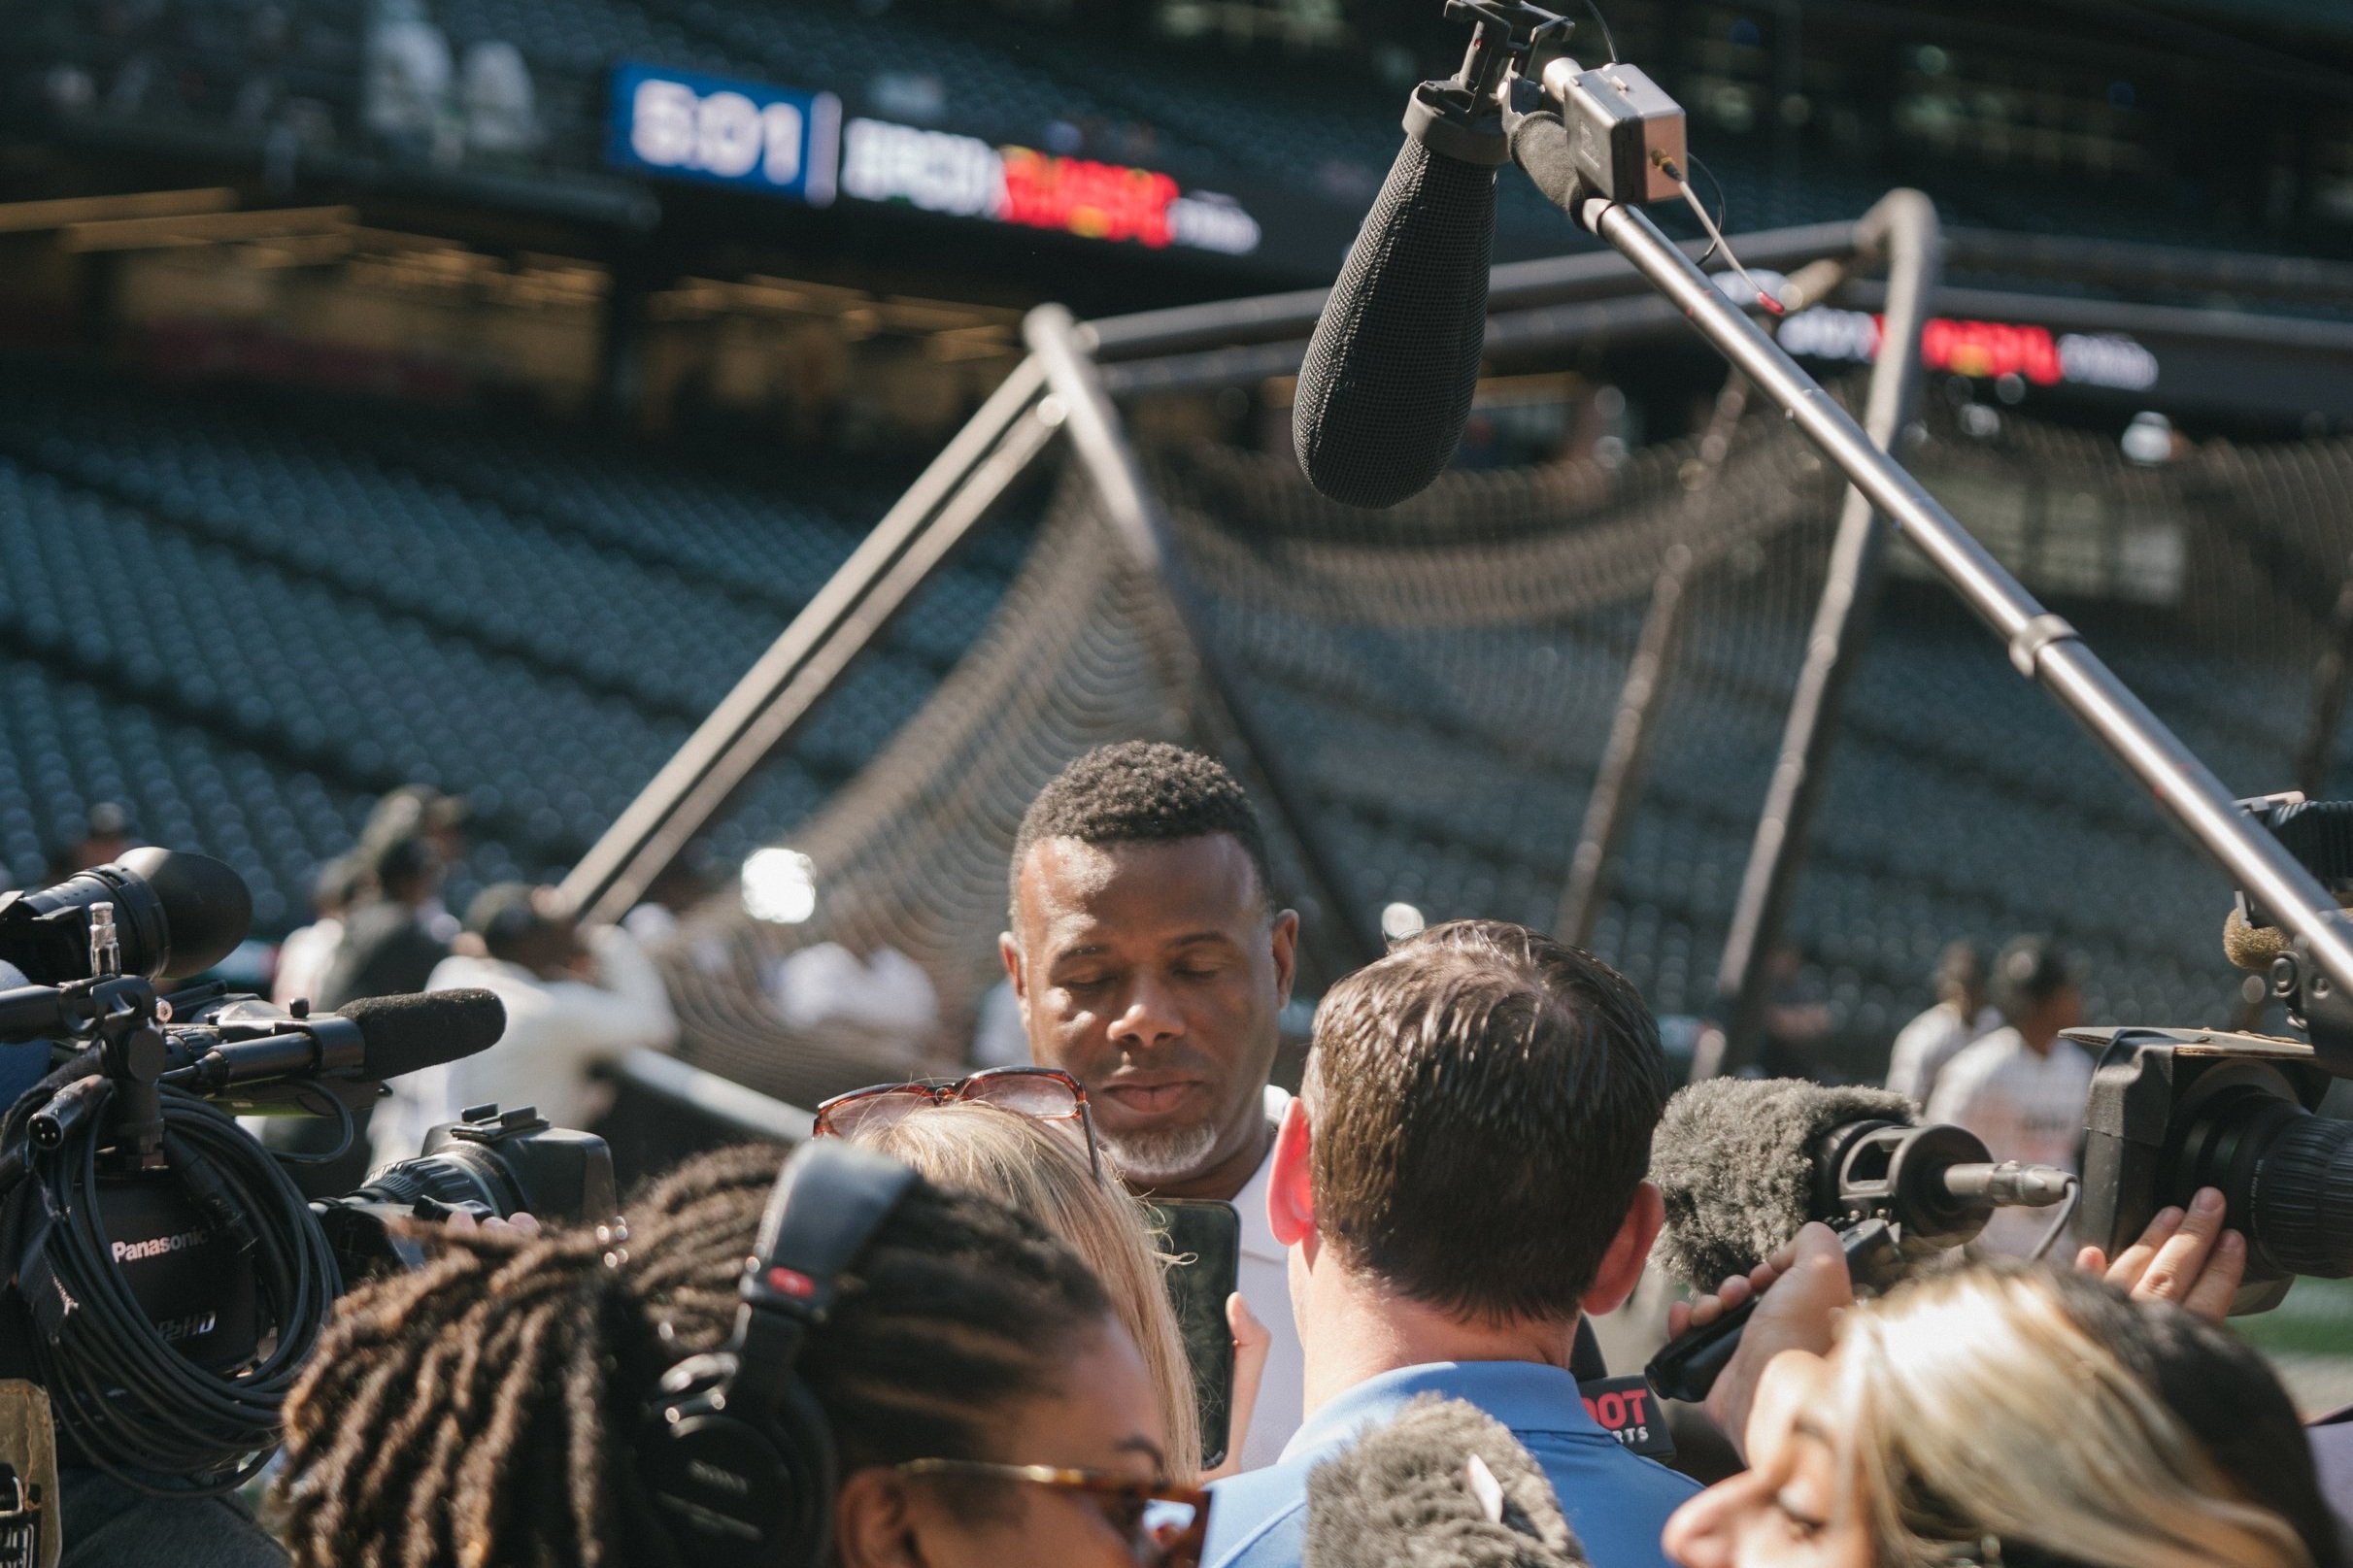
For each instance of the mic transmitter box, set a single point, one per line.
(1621, 126)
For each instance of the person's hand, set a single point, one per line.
(2186, 1258)
(1251, 1339)
(1805, 1287)
(519, 1224)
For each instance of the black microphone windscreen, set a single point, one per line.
(401, 1034)
(1540, 146)
(1390, 370)
(1407, 1496)
(1735, 1160)
(207, 907)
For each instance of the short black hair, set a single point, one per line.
(1483, 1099)
(2028, 971)
(1142, 792)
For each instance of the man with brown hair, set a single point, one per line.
(1459, 1180)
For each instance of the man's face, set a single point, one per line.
(1153, 975)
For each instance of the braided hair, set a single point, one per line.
(477, 1412)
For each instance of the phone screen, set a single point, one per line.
(1205, 1238)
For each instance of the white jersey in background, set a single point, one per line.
(557, 1031)
(1927, 1045)
(2027, 1106)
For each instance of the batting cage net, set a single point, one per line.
(1442, 680)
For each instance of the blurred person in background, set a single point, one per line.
(1797, 1020)
(384, 949)
(421, 811)
(576, 998)
(304, 957)
(1029, 1162)
(2005, 1414)
(387, 946)
(1924, 1047)
(2022, 1088)
(986, 1404)
(1152, 964)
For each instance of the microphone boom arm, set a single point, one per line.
(2042, 646)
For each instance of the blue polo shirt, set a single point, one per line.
(1617, 1501)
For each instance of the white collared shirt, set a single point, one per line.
(1264, 1281)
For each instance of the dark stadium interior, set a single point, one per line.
(605, 434)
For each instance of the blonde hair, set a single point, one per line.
(1043, 1172)
(1977, 1405)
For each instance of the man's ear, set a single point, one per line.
(1291, 1203)
(1010, 952)
(874, 1521)
(1620, 1267)
(1286, 939)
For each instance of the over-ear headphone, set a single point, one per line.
(735, 1455)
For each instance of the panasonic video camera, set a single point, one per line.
(166, 1279)
(2174, 1110)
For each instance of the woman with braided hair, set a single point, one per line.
(985, 1401)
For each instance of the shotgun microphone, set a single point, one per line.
(1393, 364)
(1444, 1485)
(1745, 1163)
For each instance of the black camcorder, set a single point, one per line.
(2174, 1110)
(167, 1279)
(488, 1163)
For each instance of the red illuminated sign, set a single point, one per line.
(1982, 349)
(1991, 348)
(1098, 201)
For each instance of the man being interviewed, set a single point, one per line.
(1459, 1180)
(1152, 963)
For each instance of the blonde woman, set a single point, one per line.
(2011, 1415)
(1023, 1160)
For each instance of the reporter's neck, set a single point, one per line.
(1355, 1327)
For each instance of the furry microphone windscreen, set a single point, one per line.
(2253, 947)
(1735, 1160)
(1444, 1485)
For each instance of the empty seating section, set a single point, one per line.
(279, 580)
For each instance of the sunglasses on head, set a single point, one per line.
(1041, 1093)
(1164, 1525)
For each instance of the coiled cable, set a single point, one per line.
(127, 1398)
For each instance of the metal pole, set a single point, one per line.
(1136, 519)
(1625, 761)
(1512, 287)
(853, 607)
(2042, 646)
(1903, 224)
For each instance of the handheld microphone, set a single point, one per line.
(1745, 1163)
(1444, 1485)
(1391, 370)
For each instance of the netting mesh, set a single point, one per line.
(1442, 677)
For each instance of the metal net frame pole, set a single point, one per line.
(777, 695)
(1903, 226)
(1140, 525)
(1609, 808)
(2041, 645)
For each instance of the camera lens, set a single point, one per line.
(454, 1176)
(2286, 1174)
(2303, 1208)
(176, 914)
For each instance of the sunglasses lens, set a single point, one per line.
(869, 1112)
(1033, 1094)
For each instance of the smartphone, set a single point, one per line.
(1205, 1238)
